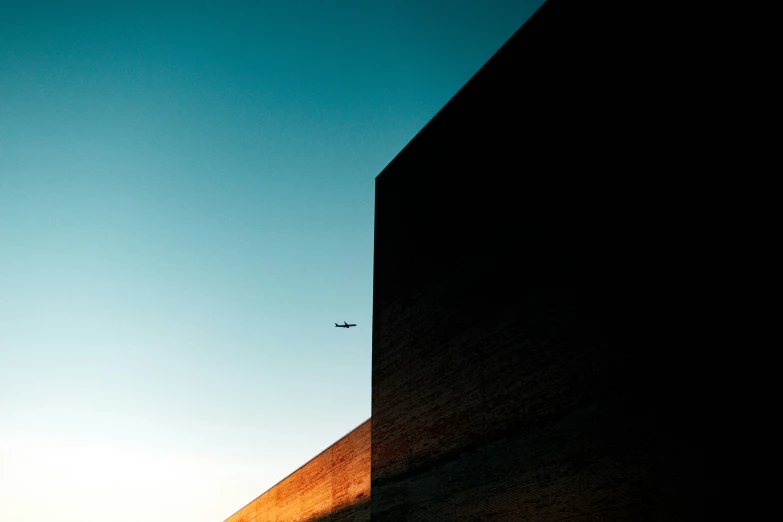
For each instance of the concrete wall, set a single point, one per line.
(536, 276)
(334, 487)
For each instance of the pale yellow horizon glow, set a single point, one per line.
(71, 481)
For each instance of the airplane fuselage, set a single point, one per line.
(344, 325)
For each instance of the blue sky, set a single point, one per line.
(186, 209)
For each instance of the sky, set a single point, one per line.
(186, 209)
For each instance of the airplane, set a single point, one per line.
(344, 325)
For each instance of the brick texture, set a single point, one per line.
(332, 487)
(534, 355)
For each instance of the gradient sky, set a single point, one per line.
(186, 209)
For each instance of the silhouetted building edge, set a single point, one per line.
(534, 353)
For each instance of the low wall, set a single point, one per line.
(334, 486)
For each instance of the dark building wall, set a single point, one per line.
(535, 276)
(334, 486)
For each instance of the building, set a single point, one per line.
(535, 275)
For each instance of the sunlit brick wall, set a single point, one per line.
(333, 486)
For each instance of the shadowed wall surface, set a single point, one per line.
(536, 270)
(334, 487)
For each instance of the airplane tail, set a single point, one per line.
(335, 324)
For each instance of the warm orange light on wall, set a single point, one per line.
(335, 483)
